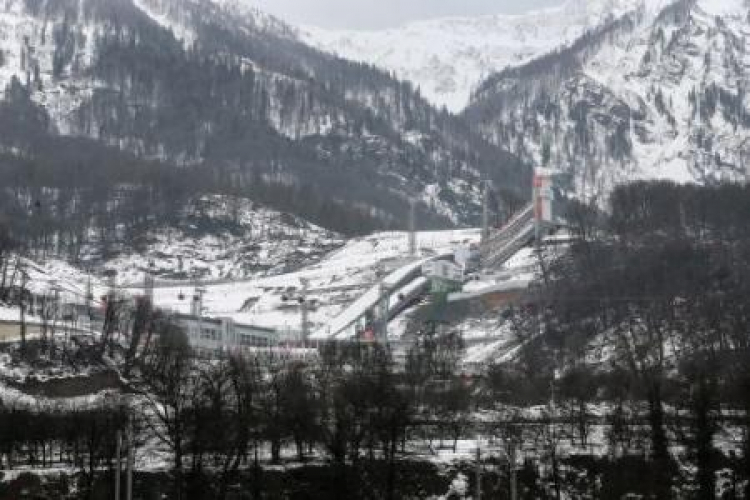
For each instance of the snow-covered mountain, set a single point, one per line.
(219, 86)
(449, 57)
(657, 93)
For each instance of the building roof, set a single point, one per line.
(218, 322)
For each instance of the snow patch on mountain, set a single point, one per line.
(28, 54)
(722, 7)
(173, 14)
(244, 10)
(219, 238)
(169, 17)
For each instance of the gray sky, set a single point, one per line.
(374, 14)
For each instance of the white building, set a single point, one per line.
(214, 335)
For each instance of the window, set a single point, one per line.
(211, 334)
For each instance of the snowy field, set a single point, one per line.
(333, 283)
(222, 238)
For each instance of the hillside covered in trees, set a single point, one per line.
(631, 380)
(182, 98)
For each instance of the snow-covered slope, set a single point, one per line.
(28, 53)
(334, 282)
(659, 94)
(448, 57)
(220, 238)
(56, 56)
(175, 16)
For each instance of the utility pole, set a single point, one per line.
(513, 486)
(536, 199)
(22, 308)
(197, 307)
(56, 296)
(301, 299)
(304, 313)
(412, 227)
(384, 312)
(57, 313)
(479, 471)
(118, 463)
(131, 461)
(89, 293)
(486, 211)
(148, 287)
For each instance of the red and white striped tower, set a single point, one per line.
(542, 197)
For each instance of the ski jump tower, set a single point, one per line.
(543, 198)
(530, 223)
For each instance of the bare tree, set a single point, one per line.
(22, 303)
(142, 322)
(169, 385)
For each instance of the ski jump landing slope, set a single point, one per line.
(409, 281)
(400, 279)
(506, 242)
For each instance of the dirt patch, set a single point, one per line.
(70, 387)
(11, 331)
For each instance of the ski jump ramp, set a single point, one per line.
(504, 243)
(407, 278)
(406, 283)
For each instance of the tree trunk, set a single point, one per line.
(23, 325)
(392, 461)
(257, 476)
(659, 444)
(275, 450)
(704, 447)
(178, 469)
(300, 443)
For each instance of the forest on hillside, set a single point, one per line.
(304, 131)
(60, 193)
(632, 379)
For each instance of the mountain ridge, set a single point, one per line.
(449, 57)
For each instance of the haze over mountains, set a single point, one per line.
(448, 58)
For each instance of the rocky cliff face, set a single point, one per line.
(659, 92)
